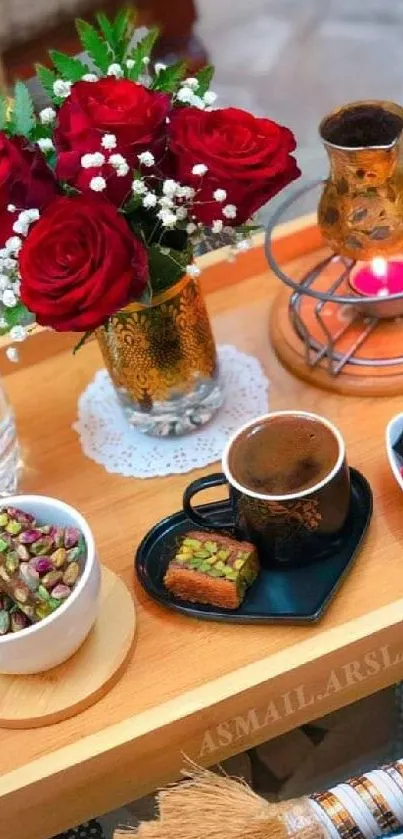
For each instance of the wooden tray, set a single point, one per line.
(364, 379)
(205, 690)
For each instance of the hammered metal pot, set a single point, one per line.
(162, 361)
(361, 209)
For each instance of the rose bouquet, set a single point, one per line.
(106, 193)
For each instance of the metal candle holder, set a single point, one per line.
(316, 351)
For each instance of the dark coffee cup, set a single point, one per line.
(296, 526)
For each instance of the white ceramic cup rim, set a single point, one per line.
(295, 495)
(46, 500)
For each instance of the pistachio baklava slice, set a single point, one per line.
(211, 568)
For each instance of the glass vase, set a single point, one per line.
(10, 462)
(162, 360)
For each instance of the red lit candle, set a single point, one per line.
(381, 279)
(378, 278)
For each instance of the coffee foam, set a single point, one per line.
(283, 455)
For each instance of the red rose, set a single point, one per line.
(246, 156)
(80, 264)
(135, 115)
(25, 181)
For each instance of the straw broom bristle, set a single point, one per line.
(206, 804)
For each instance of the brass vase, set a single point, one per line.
(361, 209)
(162, 361)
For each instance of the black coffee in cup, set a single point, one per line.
(289, 486)
(283, 455)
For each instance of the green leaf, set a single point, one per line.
(4, 105)
(124, 25)
(18, 315)
(204, 77)
(166, 269)
(94, 45)
(23, 115)
(117, 33)
(83, 340)
(69, 68)
(168, 80)
(106, 27)
(47, 79)
(142, 50)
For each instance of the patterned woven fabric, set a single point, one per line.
(88, 830)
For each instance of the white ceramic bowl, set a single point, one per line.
(393, 431)
(54, 639)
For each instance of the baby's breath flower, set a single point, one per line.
(168, 219)
(169, 187)
(191, 228)
(199, 169)
(219, 195)
(47, 115)
(229, 211)
(146, 158)
(138, 187)
(13, 245)
(192, 83)
(89, 77)
(209, 97)
(159, 66)
(115, 70)
(109, 142)
(185, 94)
(186, 192)
(217, 226)
(11, 208)
(18, 333)
(149, 200)
(28, 216)
(9, 299)
(20, 227)
(146, 60)
(12, 353)
(130, 63)
(243, 245)
(181, 213)
(120, 165)
(61, 88)
(92, 161)
(166, 201)
(98, 184)
(45, 144)
(197, 102)
(193, 271)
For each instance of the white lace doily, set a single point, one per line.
(107, 438)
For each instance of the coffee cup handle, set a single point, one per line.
(209, 481)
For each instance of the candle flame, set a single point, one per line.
(379, 267)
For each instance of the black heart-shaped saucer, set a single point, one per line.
(294, 595)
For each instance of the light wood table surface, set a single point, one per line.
(204, 689)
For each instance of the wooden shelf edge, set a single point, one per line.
(302, 663)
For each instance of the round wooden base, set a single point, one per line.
(46, 698)
(367, 380)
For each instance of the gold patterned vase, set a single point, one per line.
(162, 361)
(361, 209)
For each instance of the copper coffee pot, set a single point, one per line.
(361, 208)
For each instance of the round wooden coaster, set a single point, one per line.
(46, 698)
(367, 380)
